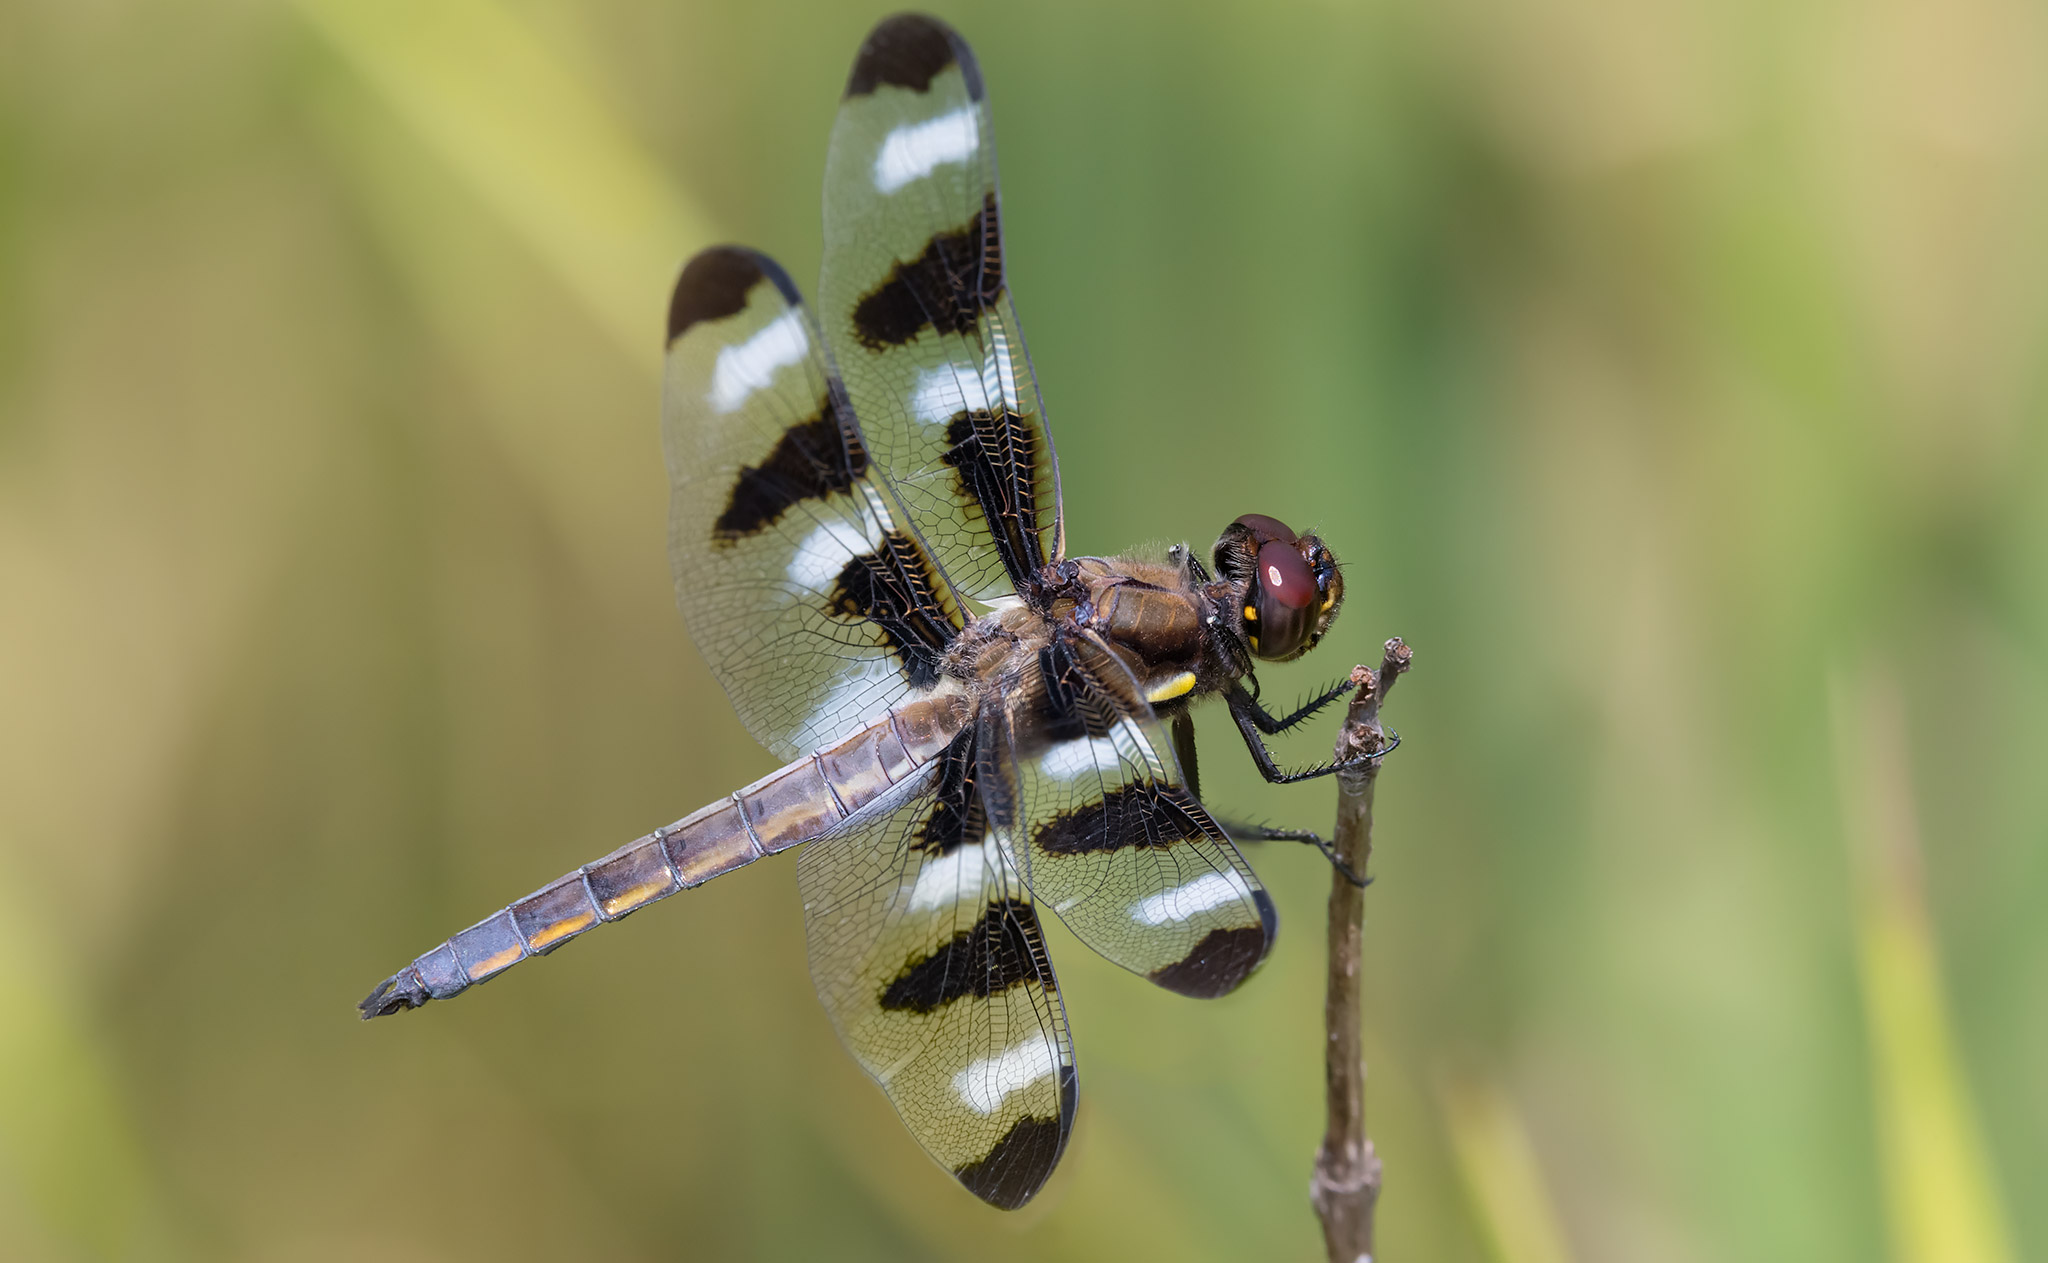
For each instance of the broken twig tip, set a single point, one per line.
(1399, 657)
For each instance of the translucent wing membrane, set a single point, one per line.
(825, 565)
(815, 609)
(927, 953)
(917, 309)
(1083, 775)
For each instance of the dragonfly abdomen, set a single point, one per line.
(788, 807)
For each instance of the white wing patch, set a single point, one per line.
(1211, 890)
(1091, 755)
(859, 692)
(749, 366)
(999, 374)
(825, 552)
(987, 1083)
(942, 882)
(1071, 759)
(915, 150)
(942, 393)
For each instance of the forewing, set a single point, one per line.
(916, 306)
(1082, 774)
(927, 953)
(815, 609)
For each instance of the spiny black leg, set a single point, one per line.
(1191, 775)
(1273, 727)
(1266, 833)
(1241, 706)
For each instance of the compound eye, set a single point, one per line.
(1265, 528)
(1284, 575)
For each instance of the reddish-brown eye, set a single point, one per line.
(1284, 575)
(1265, 528)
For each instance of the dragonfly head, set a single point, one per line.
(1290, 585)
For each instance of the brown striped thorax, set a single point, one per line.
(1180, 634)
(974, 728)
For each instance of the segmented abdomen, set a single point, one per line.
(786, 808)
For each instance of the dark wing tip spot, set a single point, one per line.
(1019, 1164)
(714, 285)
(1223, 959)
(909, 51)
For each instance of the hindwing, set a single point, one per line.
(1081, 777)
(927, 952)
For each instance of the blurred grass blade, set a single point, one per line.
(66, 1142)
(1501, 1173)
(1938, 1182)
(597, 473)
(485, 92)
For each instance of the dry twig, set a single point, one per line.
(1346, 1184)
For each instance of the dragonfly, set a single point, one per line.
(868, 548)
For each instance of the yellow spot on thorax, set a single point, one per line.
(1174, 686)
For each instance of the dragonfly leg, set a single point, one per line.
(1241, 707)
(1272, 726)
(1266, 833)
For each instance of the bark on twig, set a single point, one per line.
(1346, 1184)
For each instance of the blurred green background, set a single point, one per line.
(1668, 373)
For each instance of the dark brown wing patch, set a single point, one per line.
(966, 1032)
(1148, 814)
(774, 494)
(949, 283)
(909, 51)
(1119, 848)
(1222, 959)
(892, 588)
(812, 459)
(713, 286)
(1019, 1164)
(1001, 950)
(956, 813)
(994, 458)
